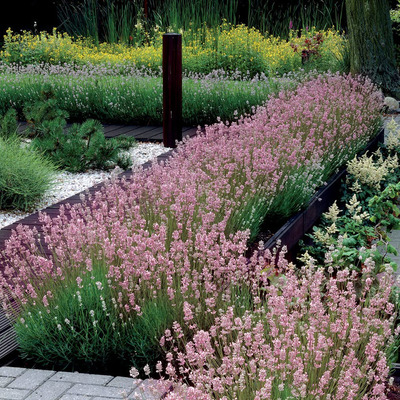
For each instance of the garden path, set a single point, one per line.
(394, 235)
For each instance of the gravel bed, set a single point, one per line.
(67, 184)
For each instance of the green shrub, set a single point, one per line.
(80, 148)
(24, 175)
(9, 125)
(83, 147)
(44, 116)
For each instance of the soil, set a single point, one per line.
(394, 390)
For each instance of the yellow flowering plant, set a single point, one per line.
(229, 47)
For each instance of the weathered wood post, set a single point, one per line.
(172, 88)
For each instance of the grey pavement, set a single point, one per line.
(394, 235)
(36, 384)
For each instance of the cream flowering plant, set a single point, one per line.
(357, 229)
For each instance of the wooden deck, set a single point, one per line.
(150, 134)
(142, 133)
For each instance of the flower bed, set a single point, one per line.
(228, 47)
(164, 251)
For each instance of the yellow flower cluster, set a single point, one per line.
(228, 47)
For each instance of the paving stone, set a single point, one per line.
(31, 379)
(13, 394)
(124, 382)
(147, 390)
(50, 390)
(99, 391)
(5, 380)
(12, 371)
(77, 397)
(108, 398)
(76, 377)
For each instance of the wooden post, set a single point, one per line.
(172, 89)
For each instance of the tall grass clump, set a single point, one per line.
(24, 175)
(9, 124)
(175, 235)
(102, 20)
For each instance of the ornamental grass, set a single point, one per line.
(173, 238)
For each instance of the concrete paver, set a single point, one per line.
(123, 382)
(12, 372)
(31, 379)
(100, 391)
(5, 380)
(50, 390)
(76, 377)
(13, 394)
(36, 384)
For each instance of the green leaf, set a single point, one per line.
(391, 249)
(349, 242)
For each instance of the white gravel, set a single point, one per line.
(67, 184)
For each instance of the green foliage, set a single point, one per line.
(143, 341)
(44, 116)
(24, 175)
(9, 125)
(82, 327)
(137, 99)
(78, 149)
(370, 212)
(125, 22)
(83, 330)
(83, 147)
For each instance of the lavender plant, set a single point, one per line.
(307, 337)
(129, 95)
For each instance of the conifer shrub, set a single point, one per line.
(83, 147)
(9, 125)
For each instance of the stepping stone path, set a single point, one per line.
(37, 384)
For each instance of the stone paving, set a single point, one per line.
(36, 384)
(394, 235)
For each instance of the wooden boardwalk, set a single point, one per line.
(142, 133)
(150, 134)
